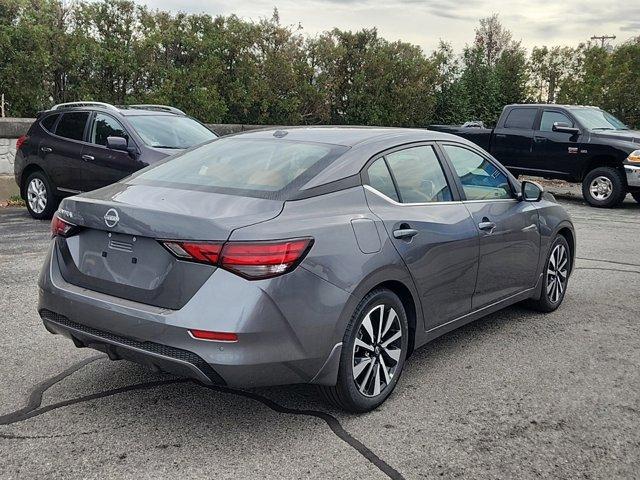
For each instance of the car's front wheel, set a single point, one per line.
(604, 187)
(374, 349)
(40, 199)
(555, 277)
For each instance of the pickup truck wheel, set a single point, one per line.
(636, 196)
(604, 187)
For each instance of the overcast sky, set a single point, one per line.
(425, 22)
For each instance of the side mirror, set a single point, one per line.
(531, 191)
(565, 128)
(118, 143)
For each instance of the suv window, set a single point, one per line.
(481, 179)
(521, 118)
(419, 176)
(106, 126)
(72, 124)
(380, 179)
(550, 117)
(49, 122)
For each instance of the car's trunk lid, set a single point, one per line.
(117, 251)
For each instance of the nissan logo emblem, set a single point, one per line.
(111, 218)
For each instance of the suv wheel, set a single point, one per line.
(374, 349)
(604, 187)
(40, 200)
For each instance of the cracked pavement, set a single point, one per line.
(514, 395)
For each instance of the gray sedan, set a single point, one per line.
(305, 255)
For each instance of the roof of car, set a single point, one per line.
(549, 105)
(347, 135)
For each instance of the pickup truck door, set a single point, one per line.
(556, 153)
(512, 142)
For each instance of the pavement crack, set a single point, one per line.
(608, 261)
(608, 269)
(34, 409)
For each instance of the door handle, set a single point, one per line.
(486, 225)
(405, 233)
(500, 135)
(46, 149)
(88, 157)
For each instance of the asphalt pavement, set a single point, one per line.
(514, 395)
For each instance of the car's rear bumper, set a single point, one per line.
(633, 175)
(280, 340)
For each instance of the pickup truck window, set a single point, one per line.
(521, 118)
(380, 179)
(550, 117)
(419, 176)
(481, 179)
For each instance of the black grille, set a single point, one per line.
(152, 347)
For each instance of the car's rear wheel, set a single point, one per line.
(555, 277)
(374, 350)
(39, 197)
(604, 187)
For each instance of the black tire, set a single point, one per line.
(636, 196)
(617, 182)
(345, 394)
(548, 302)
(51, 200)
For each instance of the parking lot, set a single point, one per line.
(515, 395)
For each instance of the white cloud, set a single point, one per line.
(425, 22)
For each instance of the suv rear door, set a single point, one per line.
(61, 152)
(103, 166)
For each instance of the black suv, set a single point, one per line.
(80, 146)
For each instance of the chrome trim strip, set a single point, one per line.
(393, 202)
(68, 190)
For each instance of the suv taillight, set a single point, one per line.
(251, 260)
(20, 141)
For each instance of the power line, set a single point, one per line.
(603, 38)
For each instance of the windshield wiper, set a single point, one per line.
(603, 128)
(166, 146)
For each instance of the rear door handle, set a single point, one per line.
(487, 226)
(405, 233)
(88, 157)
(46, 149)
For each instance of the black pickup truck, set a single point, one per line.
(575, 143)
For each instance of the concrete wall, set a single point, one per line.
(12, 128)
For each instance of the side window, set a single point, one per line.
(419, 176)
(106, 126)
(72, 124)
(550, 117)
(49, 122)
(481, 179)
(380, 179)
(521, 118)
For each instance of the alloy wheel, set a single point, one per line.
(557, 273)
(37, 195)
(377, 350)
(601, 188)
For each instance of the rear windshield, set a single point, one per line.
(170, 131)
(255, 167)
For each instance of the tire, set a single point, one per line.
(636, 196)
(39, 197)
(370, 386)
(551, 297)
(604, 187)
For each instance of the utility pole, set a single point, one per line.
(603, 38)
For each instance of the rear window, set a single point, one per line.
(521, 118)
(71, 125)
(49, 122)
(255, 167)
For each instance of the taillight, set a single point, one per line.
(20, 141)
(61, 227)
(252, 260)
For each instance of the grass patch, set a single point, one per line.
(15, 201)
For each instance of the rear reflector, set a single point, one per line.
(252, 260)
(213, 336)
(61, 227)
(20, 141)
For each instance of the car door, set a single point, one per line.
(553, 149)
(429, 226)
(508, 228)
(102, 165)
(61, 152)
(512, 142)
